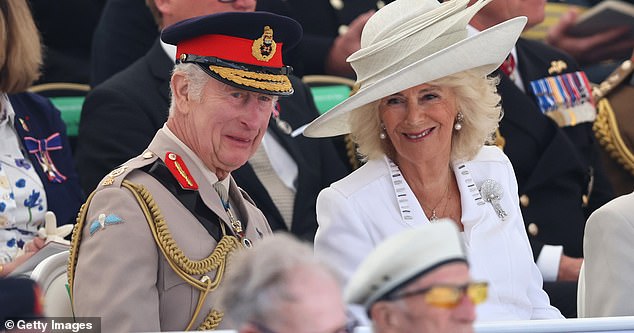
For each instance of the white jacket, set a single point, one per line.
(358, 212)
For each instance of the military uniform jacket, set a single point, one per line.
(552, 164)
(121, 275)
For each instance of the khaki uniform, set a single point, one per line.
(123, 276)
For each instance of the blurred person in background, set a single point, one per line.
(37, 173)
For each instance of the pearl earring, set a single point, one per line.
(382, 134)
(459, 118)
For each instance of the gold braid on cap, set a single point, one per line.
(178, 261)
(262, 81)
(606, 129)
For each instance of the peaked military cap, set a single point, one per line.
(242, 49)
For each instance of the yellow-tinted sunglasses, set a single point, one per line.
(448, 296)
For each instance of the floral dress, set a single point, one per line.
(22, 195)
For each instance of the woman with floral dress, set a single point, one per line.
(36, 167)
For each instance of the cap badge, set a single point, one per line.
(264, 47)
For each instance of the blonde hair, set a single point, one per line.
(476, 99)
(20, 49)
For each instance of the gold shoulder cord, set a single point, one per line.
(177, 260)
(606, 130)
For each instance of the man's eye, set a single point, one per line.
(265, 98)
(237, 94)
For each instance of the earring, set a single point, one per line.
(459, 118)
(382, 134)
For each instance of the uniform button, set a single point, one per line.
(533, 230)
(343, 29)
(524, 200)
(148, 154)
(336, 4)
(584, 200)
(171, 156)
(380, 4)
(626, 65)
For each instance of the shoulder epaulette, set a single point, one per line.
(116, 176)
(180, 171)
(613, 80)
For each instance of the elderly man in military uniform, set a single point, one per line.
(154, 239)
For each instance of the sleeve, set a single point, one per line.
(112, 130)
(608, 262)
(342, 240)
(117, 266)
(541, 308)
(548, 261)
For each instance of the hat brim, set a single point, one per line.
(483, 52)
(265, 83)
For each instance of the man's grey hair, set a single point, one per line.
(195, 77)
(258, 279)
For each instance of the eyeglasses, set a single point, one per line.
(448, 296)
(351, 324)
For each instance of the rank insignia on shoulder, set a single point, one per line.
(179, 170)
(104, 220)
(565, 98)
(112, 175)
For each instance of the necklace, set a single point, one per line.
(433, 216)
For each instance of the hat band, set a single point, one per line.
(388, 295)
(227, 47)
(213, 61)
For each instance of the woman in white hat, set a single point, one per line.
(422, 114)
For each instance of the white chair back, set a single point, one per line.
(50, 274)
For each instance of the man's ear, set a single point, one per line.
(180, 92)
(384, 317)
(163, 6)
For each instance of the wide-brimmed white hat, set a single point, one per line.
(402, 258)
(410, 42)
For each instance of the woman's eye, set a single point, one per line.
(430, 96)
(392, 101)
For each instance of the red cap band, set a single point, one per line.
(227, 48)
